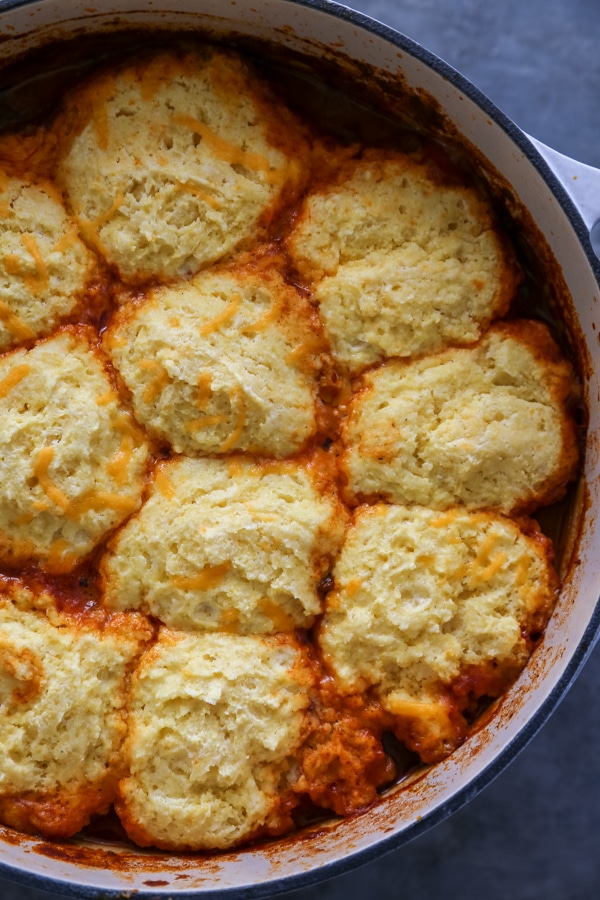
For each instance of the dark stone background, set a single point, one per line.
(534, 834)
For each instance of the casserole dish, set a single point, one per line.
(310, 29)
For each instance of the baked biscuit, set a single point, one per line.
(400, 263)
(486, 426)
(63, 688)
(433, 610)
(248, 543)
(71, 457)
(223, 362)
(44, 267)
(171, 163)
(215, 722)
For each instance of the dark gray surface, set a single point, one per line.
(534, 833)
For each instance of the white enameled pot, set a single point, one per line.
(563, 199)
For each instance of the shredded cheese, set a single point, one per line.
(12, 264)
(278, 616)
(235, 467)
(259, 516)
(14, 377)
(223, 318)
(100, 500)
(236, 434)
(118, 466)
(206, 422)
(39, 281)
(106, 398)
(99, 111)
(230, 620)
(164, 483)
(156, 386)
(60, 558)
(226, 151)
(352, 586)
(418, 709)
(54, 493)
(91, 227)
(267, 318)
(209, 577)
(204, 390)
(198, 192)
(67, 240)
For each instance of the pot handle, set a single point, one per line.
(580, 181)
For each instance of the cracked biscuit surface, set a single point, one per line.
(224, 362)
(423, 598)
(234, 545)
(487, 426)
(72, 460)
(172, 163)
(401, 264)
(44, 266)
(63, 687)
(215, 721)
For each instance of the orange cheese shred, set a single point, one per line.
(67, 240)
(126, 424)
(206, 422)
(482, 575)
(118, 466)
(235, 467)
(259, 516)
(99, 111)
(39, 281)
(113, 342)
(204, 390)
(278, 616)
(90, 227)
(236, 434)
(209, 577)
(24, 518)
(230, 620)
(223, 318)
(445, 519)
(164, 483)
(106, 398)
(270, 316)
(12, 264)
(156, 386)
(485, 548)
(420, 709)
(226, 151)
(54, 493)
(14, 377)
(352, 586)
(60, 557)
(196, 191)
(100, 500)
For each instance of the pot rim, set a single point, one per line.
(391, 842)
